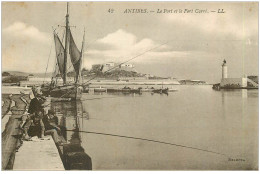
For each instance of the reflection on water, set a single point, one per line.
(196, 116)
(71, 119)
(244, 93)
(71, 116)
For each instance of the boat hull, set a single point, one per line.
(100, 89)
(161, 91)
(126, 90)
(73, 92)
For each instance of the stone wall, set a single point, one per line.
(234, 82)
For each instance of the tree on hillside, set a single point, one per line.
(14, 79)
(6, 74)
(96, 68)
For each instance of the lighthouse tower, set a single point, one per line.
(224, 69)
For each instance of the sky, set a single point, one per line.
(182, 45)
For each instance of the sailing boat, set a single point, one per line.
(67, 90)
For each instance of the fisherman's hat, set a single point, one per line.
(38, 92)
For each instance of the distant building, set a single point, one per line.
(224, 70)
(117, 66)
(231, 82)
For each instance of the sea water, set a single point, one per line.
(196, 119)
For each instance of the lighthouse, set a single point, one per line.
(224, 69)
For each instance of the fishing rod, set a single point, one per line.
(150, 140)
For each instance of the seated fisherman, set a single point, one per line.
(51, 126)
(36, 103)
(51, 121)
(35, 116)
(34, 126)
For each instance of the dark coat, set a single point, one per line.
(35, 106)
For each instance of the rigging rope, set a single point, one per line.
(129, 60)
(47, 63)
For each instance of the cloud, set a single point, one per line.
(122, 46)
(23, 46)
(25, 31)
(119, 39)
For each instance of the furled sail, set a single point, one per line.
(60, 53)
(75, 56)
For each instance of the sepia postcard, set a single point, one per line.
(130, 86)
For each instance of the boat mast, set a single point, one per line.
(66, 45)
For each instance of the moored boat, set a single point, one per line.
(161, 91)
(124, 90)
(172, 90)
(100, 89)
(67, 90)
(147, 89)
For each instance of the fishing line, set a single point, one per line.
(87, 99)
(79, 100)
(97, 98)
(150, 140)
(84, 117)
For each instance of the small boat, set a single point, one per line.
(111, 90)
(131, 90)
(124, 90)
(161, 91)
(216, 86)
(147, 89)
(100, 89)
(172, 90)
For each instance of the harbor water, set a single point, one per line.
(194, 117)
